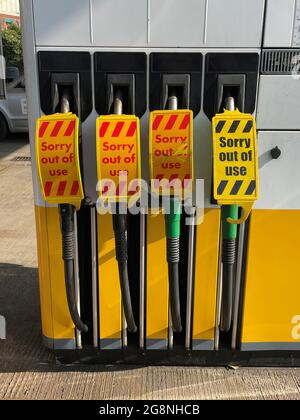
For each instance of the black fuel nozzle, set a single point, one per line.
(66, 212)
(120, 231)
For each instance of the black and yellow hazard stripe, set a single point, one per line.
(229, 126)
(237, 186)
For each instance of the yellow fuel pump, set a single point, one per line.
(166, 283)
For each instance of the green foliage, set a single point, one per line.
(12, 45)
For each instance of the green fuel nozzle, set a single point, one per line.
(229, 231)
(229, 239)
(172, 220)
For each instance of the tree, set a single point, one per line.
(12, 45)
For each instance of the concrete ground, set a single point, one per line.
(27, 370)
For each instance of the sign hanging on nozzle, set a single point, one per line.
(235, 160)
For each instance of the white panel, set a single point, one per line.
(177, 23)
(120, 23)
(279, 178)
(62, 23)
(279, 23)
(278, 103)
(234, 23)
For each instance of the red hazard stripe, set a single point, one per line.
(48, 188)
(187, 181)
(56, 129)
(43, 129)
(132, 129)
(70, 129)
(103, 129)
(121, 187)
(171, 122)
(173, 178)
(156, 122)
(105, 188)
(157, 180)
(61, 188)
(185, 123)
(75, 188)
(133, 188)
(118, 129)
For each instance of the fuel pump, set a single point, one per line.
(60, 179)
(177, 68)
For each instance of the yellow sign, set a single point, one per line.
(118, 156)
(235, 160)
(58, 159)
(171, 149)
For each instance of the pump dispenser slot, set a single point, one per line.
(126, 70)
(65, 83)
(178, 85)
(236, 70)
(125, 83)
(65, 69)
(231, 85)
(179, 70)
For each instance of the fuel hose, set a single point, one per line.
(68, 232)
(229, 236)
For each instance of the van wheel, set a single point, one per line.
(3, 128)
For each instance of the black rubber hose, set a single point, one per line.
(228, 260)
(67, 230)
(120, 230)
(173, 253)
(70, 289)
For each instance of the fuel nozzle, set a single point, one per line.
(172, 220)
(229, 240)
(68, 231)
(120, 231)
(173, 257)
(229, 236)
(66, 212)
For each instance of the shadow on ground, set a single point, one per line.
(23, 350)
(19, 304)
(12, 144)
